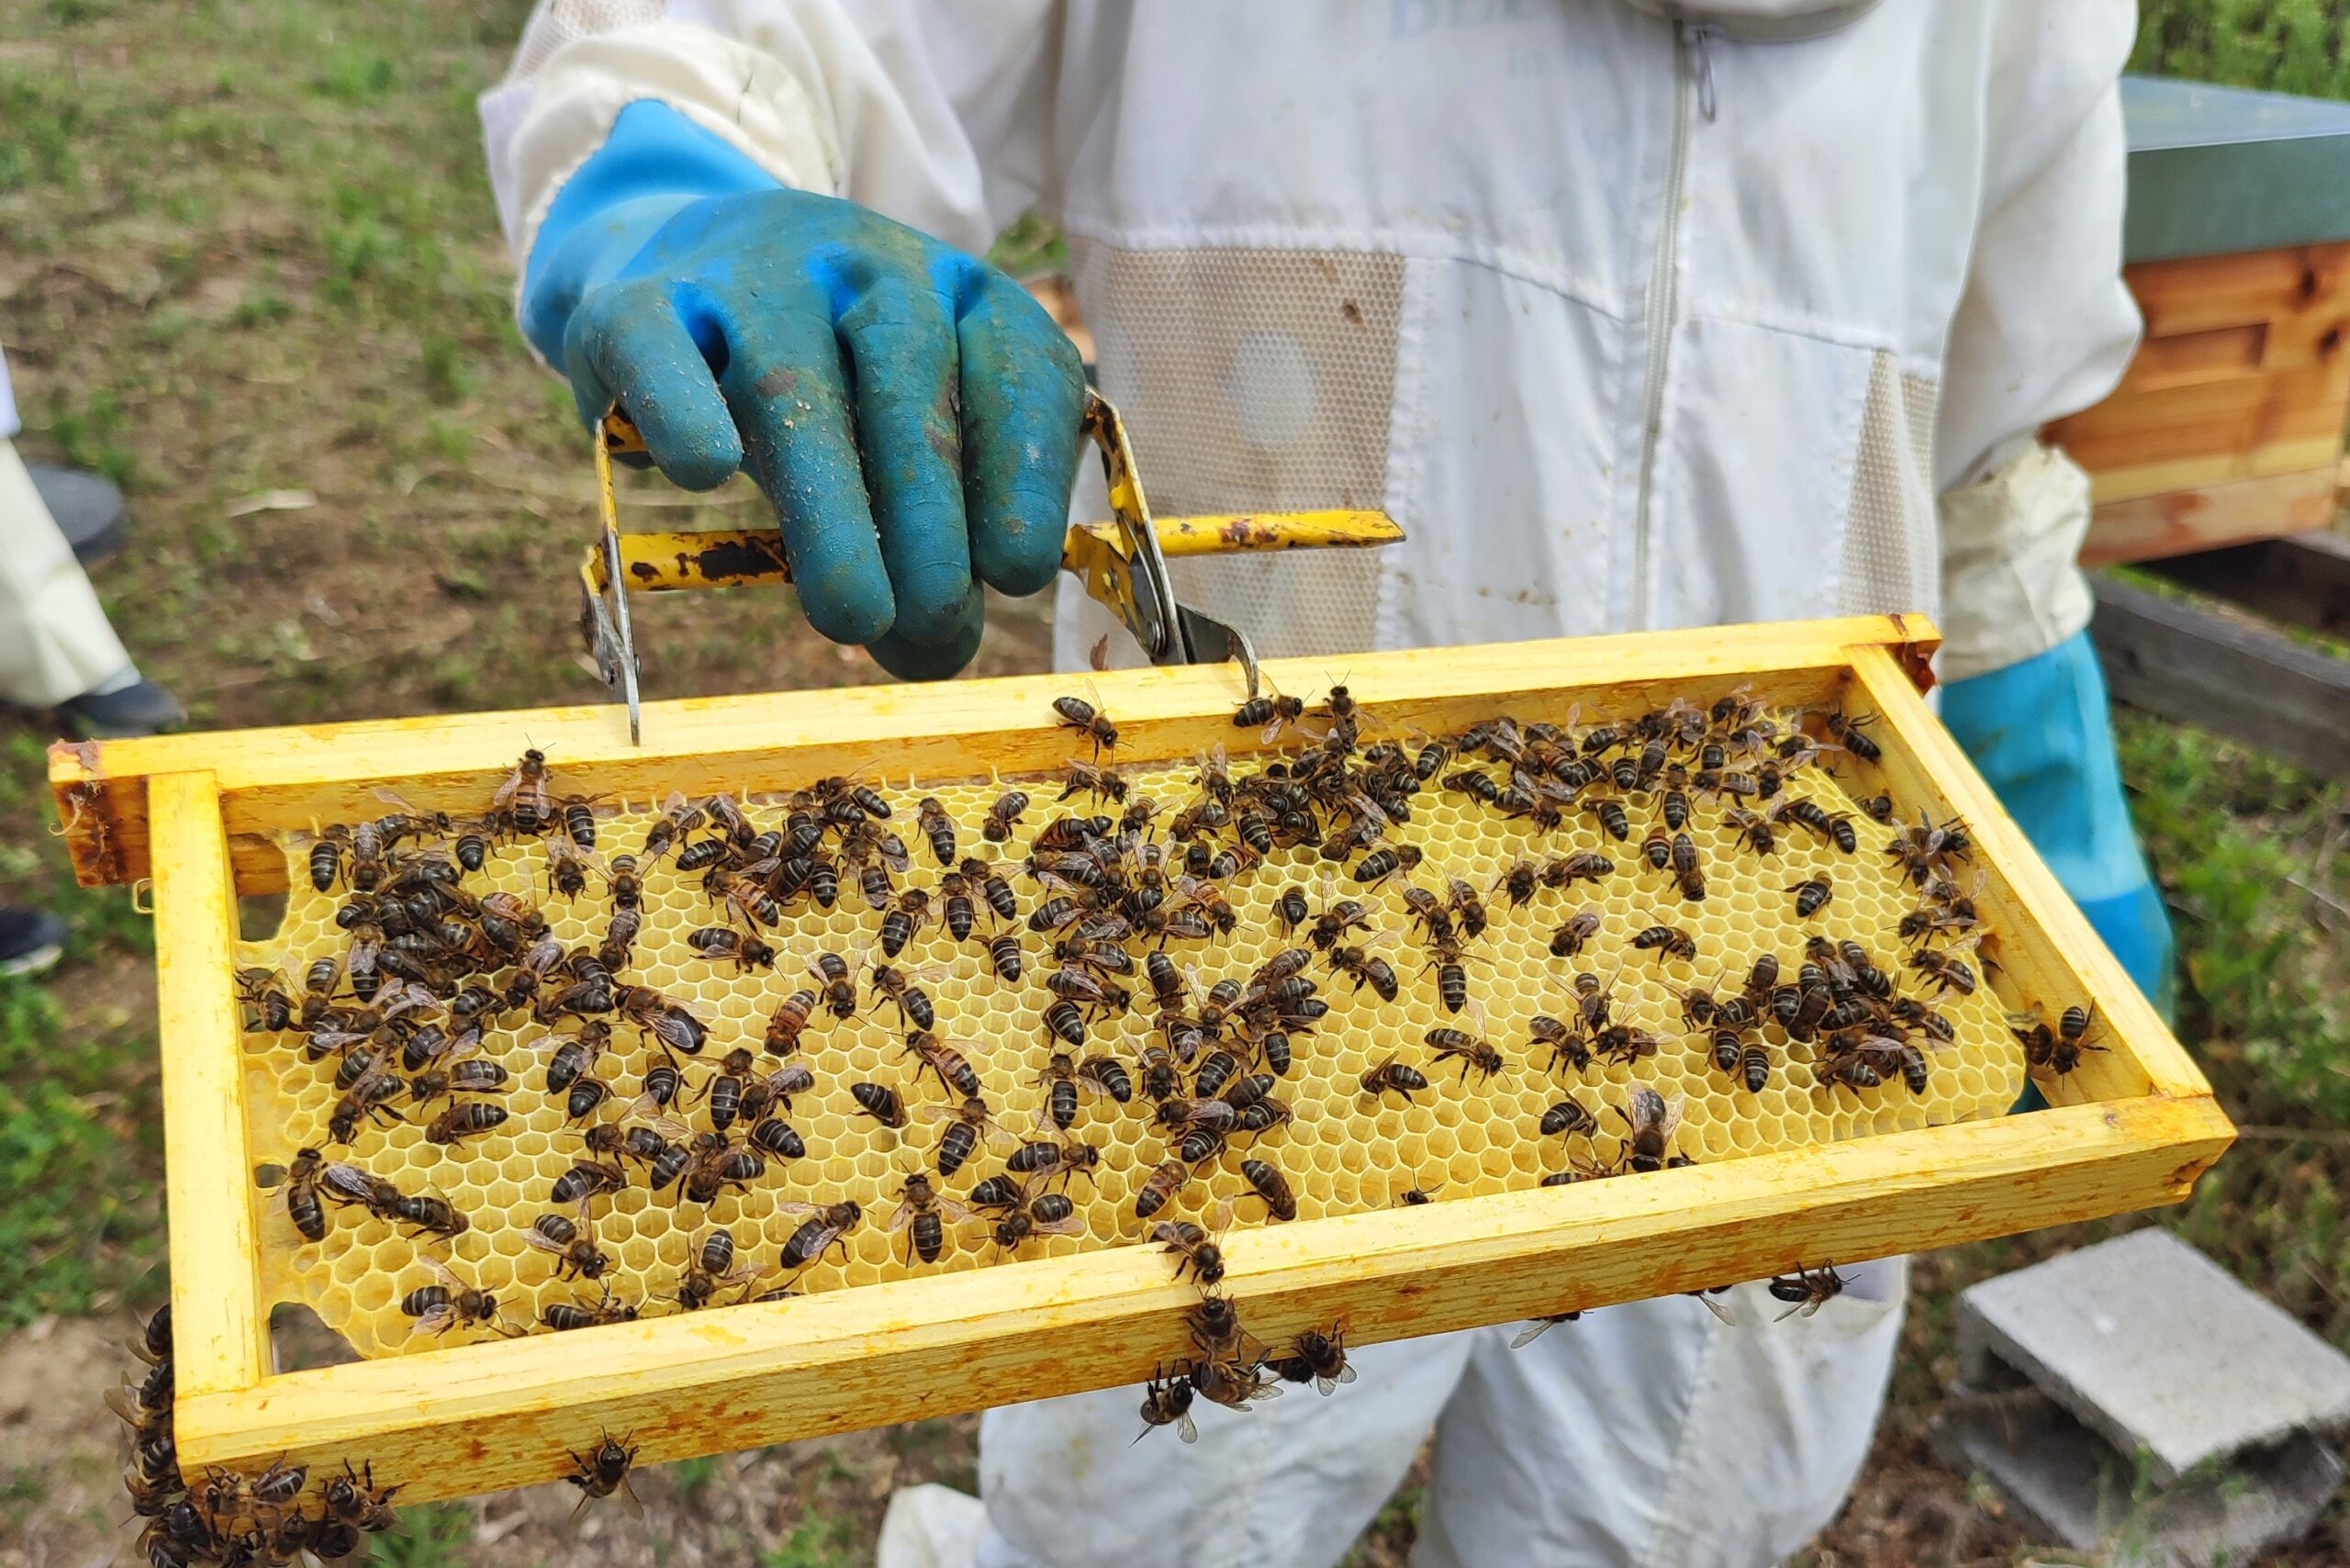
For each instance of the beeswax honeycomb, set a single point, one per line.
(1342, 1153)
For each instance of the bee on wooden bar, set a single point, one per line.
(1195, 1248)
(1268, 713)
(523, 796)
(1167, 1401)
(1319, 1357)
(603, 1470)
(1076, 713)
(1807, 1289)
(1879, 809)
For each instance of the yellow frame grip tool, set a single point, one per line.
(1122, 562)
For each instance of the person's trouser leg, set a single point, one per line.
(55, 641)
(1288, 1483)
(1655, 1436)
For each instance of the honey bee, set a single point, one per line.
(587, 1179)
(1566, 1044)
(572, 1246)
(523, 796)
(1002, 817)
(678, 818)
(2060, 1052)
(1086, 779)
(993, 889)
(426, 1215)
(1812, 896)
(368, 1100)
(302, 1205)
(1686, 872)
(470, 1118)
(264, 991)
(1568, 940)
(1076, 713)
(1946, 971)
(1269, 1184)
(603, 1470)
(923, 1213)
(828, 1226)
(788, 1022)
(953, 1070)
(1879, 809)
(839, 980)
(354, 1500)
(904, 920)
(1569, 1118)
(748, 951)
(473, 1076)
(1167, 1401)
(447, 1303)
(712, 1269)
(1667, 942)
(938, 828)
(1807, 1289)
(1753, 829)
(1393, 860)
(1194, 1248)
(1467, 1049)
(1164, 1181)
(1319, 1357)
(961, 913)
(968, 1125)
(1331, 925)
(880, 1101)
(1046, 1160)
(1046, 1214)
(1392, 1075)
(1268, 714)
(1365, 968)
(671, 1025)
(770, 1135)
(1649, 1126)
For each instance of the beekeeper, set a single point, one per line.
(1634, 314)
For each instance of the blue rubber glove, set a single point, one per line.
(2043, 736)
(912, 413)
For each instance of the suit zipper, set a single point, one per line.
(1692, 66)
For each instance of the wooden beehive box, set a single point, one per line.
(2228, 424)
(202, 817)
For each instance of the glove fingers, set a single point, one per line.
(631, 336)
(900, 346)
(909, 660)
(1023, 396)
(791, 403)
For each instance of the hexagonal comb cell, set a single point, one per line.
(1342, 1150)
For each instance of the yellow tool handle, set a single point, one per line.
(726, 557)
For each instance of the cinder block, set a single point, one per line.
(2131, 1397)
(2157, 1349)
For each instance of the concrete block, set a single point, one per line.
(2157, 1349)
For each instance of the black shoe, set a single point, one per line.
(88, 510)
(31, 940)
(141, 708)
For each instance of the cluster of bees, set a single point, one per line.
(1124, 885)
(229, 1518)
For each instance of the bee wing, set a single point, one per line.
(442, 1274)
(439, 1320)
(1531, 1332)
(951, 1209)
(1185, 1428)
(119, 1400)
(1717, 1309)
(1073, 1225)
(538, 1239)
(794, 1207)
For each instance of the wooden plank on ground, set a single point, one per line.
(2248, 684)
(2304, 581)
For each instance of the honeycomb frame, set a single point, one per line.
(969, 1335)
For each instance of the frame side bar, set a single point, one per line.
(501, 1413)
(2125, 1011)
(220, 1333)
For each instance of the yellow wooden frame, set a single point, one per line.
(2135, 1126)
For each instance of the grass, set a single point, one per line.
(261, 256)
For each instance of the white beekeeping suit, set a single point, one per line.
(1635, 315)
